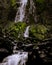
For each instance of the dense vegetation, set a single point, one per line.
(40, 32)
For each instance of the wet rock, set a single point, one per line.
(3, 53)
(42, 55)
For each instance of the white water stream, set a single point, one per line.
(21, 11)
(19, 58)
(16, 59)
(26, 34)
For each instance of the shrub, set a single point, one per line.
(38, 31)
(17, 29)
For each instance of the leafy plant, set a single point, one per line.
(17, 29)
(38, 31)
(41, 29)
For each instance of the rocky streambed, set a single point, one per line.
(37, 52)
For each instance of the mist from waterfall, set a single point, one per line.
(21, 11)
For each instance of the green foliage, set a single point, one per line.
(40, 1)
(17, 29)
(13, 2)
(38, 31)
(41, 29)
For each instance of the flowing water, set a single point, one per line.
(24, 15)
(25, 10)
(16, 59)
(20, 58)
(21, 11)
(26, 34)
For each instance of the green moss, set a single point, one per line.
(41, 29)
(17, 29)
(38, 31)
(39, 36)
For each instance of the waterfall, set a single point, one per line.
(26, 11)
(16, 59)
(26, 34)
(20, 58)
(21, 11)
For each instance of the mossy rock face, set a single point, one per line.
(38, 31)
(17, 29)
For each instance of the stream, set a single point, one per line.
(19, 58)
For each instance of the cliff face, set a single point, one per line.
(30, 11)
(30, 15)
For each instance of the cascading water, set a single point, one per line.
(21, 58)
(21, 11)
(16, 59)
(24, 15)
(26, 11)
(26, 34)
